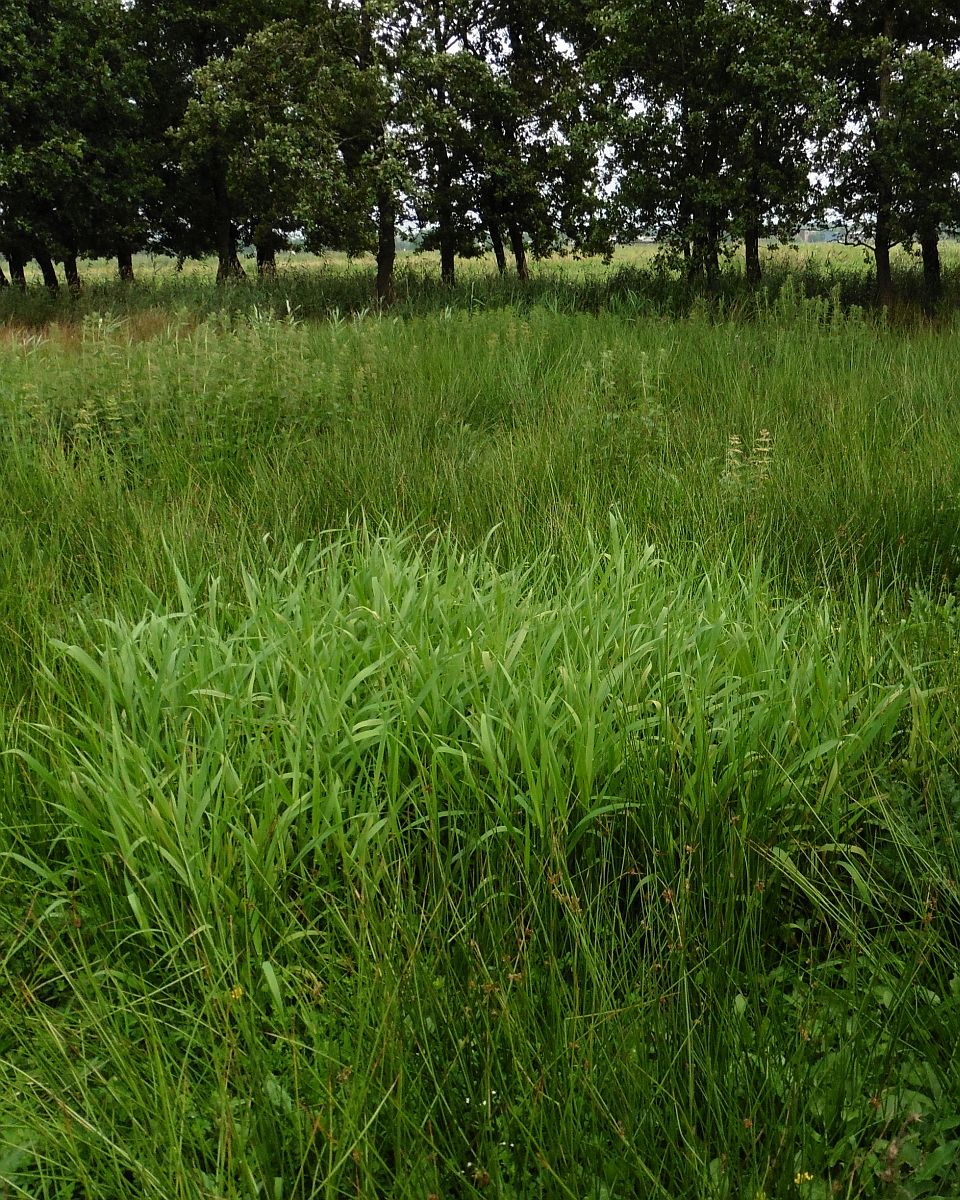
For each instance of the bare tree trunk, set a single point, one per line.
(228, 261)
(519, 250)
(881, 254)
(375, 137)
(386, 246)
(751, 249)
(125, 264)
(752, 238)
(445, 231)
(229, 265)
(17, 262)
(443, 192)
(496, 241)
(266, 245)
(266, 262)
(932, 277)
(448, 269)
(712, 250)
(71, 273)
(48, 271)
(698, 263)
(752, 252)
(702, 264)
(4, 282)
(447, 237)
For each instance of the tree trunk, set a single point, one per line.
(496, 240)
(267, 256)
(519, 250)
(266, 262)
(228, 262)
(443, 193)
(48, 271)
(446, 236)
(4, 282)
(699, 226)
(229, 265)
(386, 246)
(881, 254)
(702, 266)
(375, 137)
(448, 270)
(712, 250)
(17, 262)
(125, 264)
(71, 272)
(751, 245)
(932, 280)
(752, 254)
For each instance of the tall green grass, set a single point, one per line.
(535, 426)
(493, 753)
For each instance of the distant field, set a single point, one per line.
(503, 747)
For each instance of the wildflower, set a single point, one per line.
(733, 462)
(762, 455)
(802, 1177)
(236, 992)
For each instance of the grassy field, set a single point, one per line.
(504, 747)
(311, 287)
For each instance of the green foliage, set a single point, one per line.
(278, 112)
(74, 165)
(711, 107)
(887, 145)
(535, 129)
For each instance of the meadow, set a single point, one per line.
(503, 746)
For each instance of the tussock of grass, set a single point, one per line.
(388, 838)
(377, 702)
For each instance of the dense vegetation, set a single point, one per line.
(519, 127)
(487, 748)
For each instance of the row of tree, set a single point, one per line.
(198, 126)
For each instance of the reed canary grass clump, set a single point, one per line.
(426, 817)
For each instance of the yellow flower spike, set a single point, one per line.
(802, 1177)
(236, 992)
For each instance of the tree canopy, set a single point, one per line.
(502, 125)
